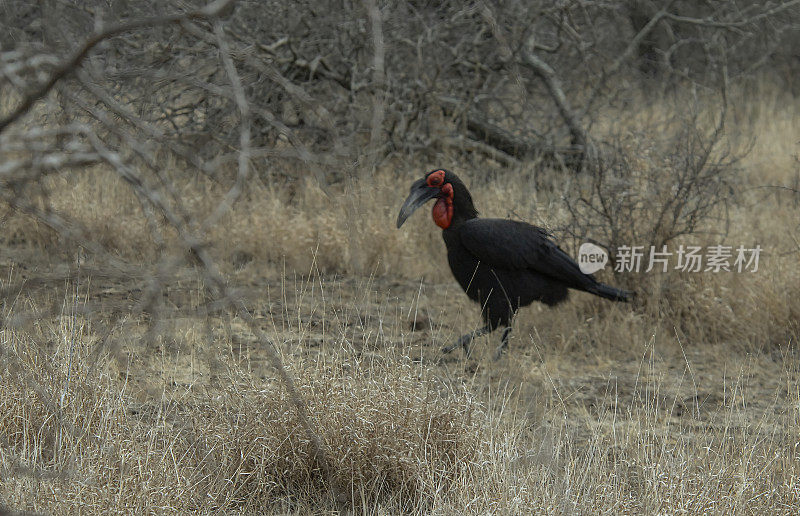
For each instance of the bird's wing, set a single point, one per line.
(509, 244)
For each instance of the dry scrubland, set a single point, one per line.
(688, 401)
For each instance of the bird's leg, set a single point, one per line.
(503, 343)
(465, 340)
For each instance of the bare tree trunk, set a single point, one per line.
(553, 84)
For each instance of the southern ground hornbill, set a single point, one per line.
(501, 264)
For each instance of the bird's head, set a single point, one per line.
(453, 200)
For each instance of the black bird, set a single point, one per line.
(502, 264)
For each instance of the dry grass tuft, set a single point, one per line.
(389, 435)
(74, 436)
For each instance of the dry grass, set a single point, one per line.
(570, 426)
(690, 404)
(390, 428)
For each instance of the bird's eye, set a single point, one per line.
(436, 178)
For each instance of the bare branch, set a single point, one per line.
(379, 73)
(244, 135)
(556, 90)
(79, 54)
(733, 24)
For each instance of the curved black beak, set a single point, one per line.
(419, 195)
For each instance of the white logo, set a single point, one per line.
(591, 258)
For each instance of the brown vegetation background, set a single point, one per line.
(205, 305)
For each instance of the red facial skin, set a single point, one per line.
(443, 209)
(436, 178)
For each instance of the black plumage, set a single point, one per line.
(501, 264)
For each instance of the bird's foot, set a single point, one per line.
(462, 342)
(450, 347)
(503, 344)
(498, 352)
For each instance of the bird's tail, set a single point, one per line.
(614, 294)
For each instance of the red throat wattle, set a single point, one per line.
(443, 209)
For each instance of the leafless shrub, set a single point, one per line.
(506, 81)
(666, 184)
(654, 185)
